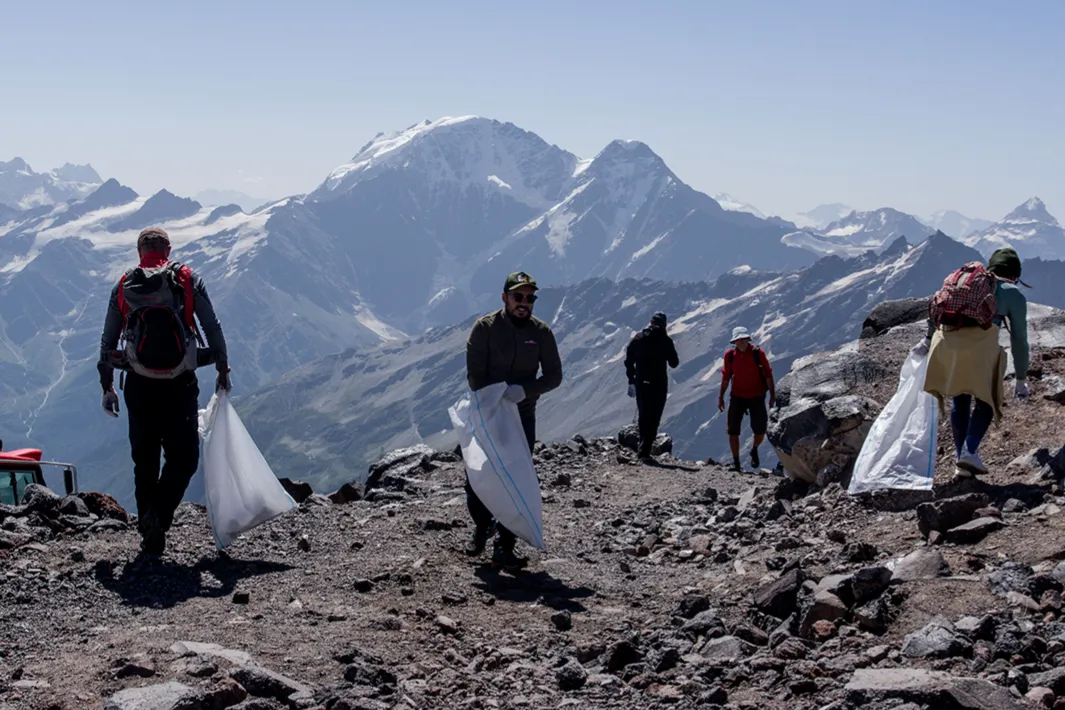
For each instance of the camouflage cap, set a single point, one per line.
(519, 279)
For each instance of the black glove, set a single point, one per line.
(222, 383)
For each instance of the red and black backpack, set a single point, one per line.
(158, 315)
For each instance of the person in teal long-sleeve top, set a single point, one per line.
(969, 424)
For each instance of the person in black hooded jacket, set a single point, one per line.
(645, 366)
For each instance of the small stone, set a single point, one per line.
(778, 598)
(581, 503)
(454, 599)
(1014, 506)
(726, 649)
(947, 513)
(715, 696)
(974, 531)
(447, 625)
(135, 669)
(241, 597)
(266, 684)
(824, 630)
(859, 552)
(224, 694)
(364, 586)
(304, 544)
(571, 676)
(923, 563)
(167, 695)
(562, 620)
(837, 536)
(692, 605)
(1041, 698)
(620, 654)
(934, 641)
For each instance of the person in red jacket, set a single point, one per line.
(747, 369)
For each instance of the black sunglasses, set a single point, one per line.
(522, 298)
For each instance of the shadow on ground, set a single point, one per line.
(527, 587)
(161, 584)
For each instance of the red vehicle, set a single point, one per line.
(20, 468)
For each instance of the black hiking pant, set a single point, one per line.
(482, 517)
(163, 419)
(651, 402)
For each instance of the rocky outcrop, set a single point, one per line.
(818, 428)
(890, 314)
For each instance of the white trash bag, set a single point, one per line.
(498, 461)
(900, 451)
(242, 491)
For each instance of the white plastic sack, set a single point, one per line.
(900, 451)
(242, 491)
(498, 461)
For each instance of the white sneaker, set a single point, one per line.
(971, 462)
(960, 472)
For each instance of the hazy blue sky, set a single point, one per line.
(915, 104)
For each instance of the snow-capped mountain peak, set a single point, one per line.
(1030, 229)
(956, 224)
(730, 203)
(1034, 210)
(78, 173)
(462, 152)
(22, 188)
(861, 231)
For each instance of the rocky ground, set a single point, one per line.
(678, 585)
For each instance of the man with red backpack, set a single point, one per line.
(965, 361)
(152, 311)
(747, 369)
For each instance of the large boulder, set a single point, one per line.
(299, 490)
(392, 470)
(104, 506)
(819, 441)
(167, 696)
(934, 689)
(946, 513)
(890, 314)
(629, 438)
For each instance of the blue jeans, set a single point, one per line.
(968, 424)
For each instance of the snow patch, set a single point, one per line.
(381, 329)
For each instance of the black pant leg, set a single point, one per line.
(482, 517)
(651, 400)
(181, 445)
(145, 439)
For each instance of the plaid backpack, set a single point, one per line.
(966, 299)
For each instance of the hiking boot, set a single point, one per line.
(153, 539)
(475, 545)
(756, 464)
(737, 466)
(504, 557)
(970, 461)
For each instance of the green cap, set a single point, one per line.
(519, 279)
(1005, 263)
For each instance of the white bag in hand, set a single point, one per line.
(498, 461)
(242, 491)
(900, 451)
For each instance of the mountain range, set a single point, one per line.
(333, 416)
(391, 255)
(23, 189)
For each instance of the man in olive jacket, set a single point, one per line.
(510, 346)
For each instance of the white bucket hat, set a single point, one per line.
(740, 333)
